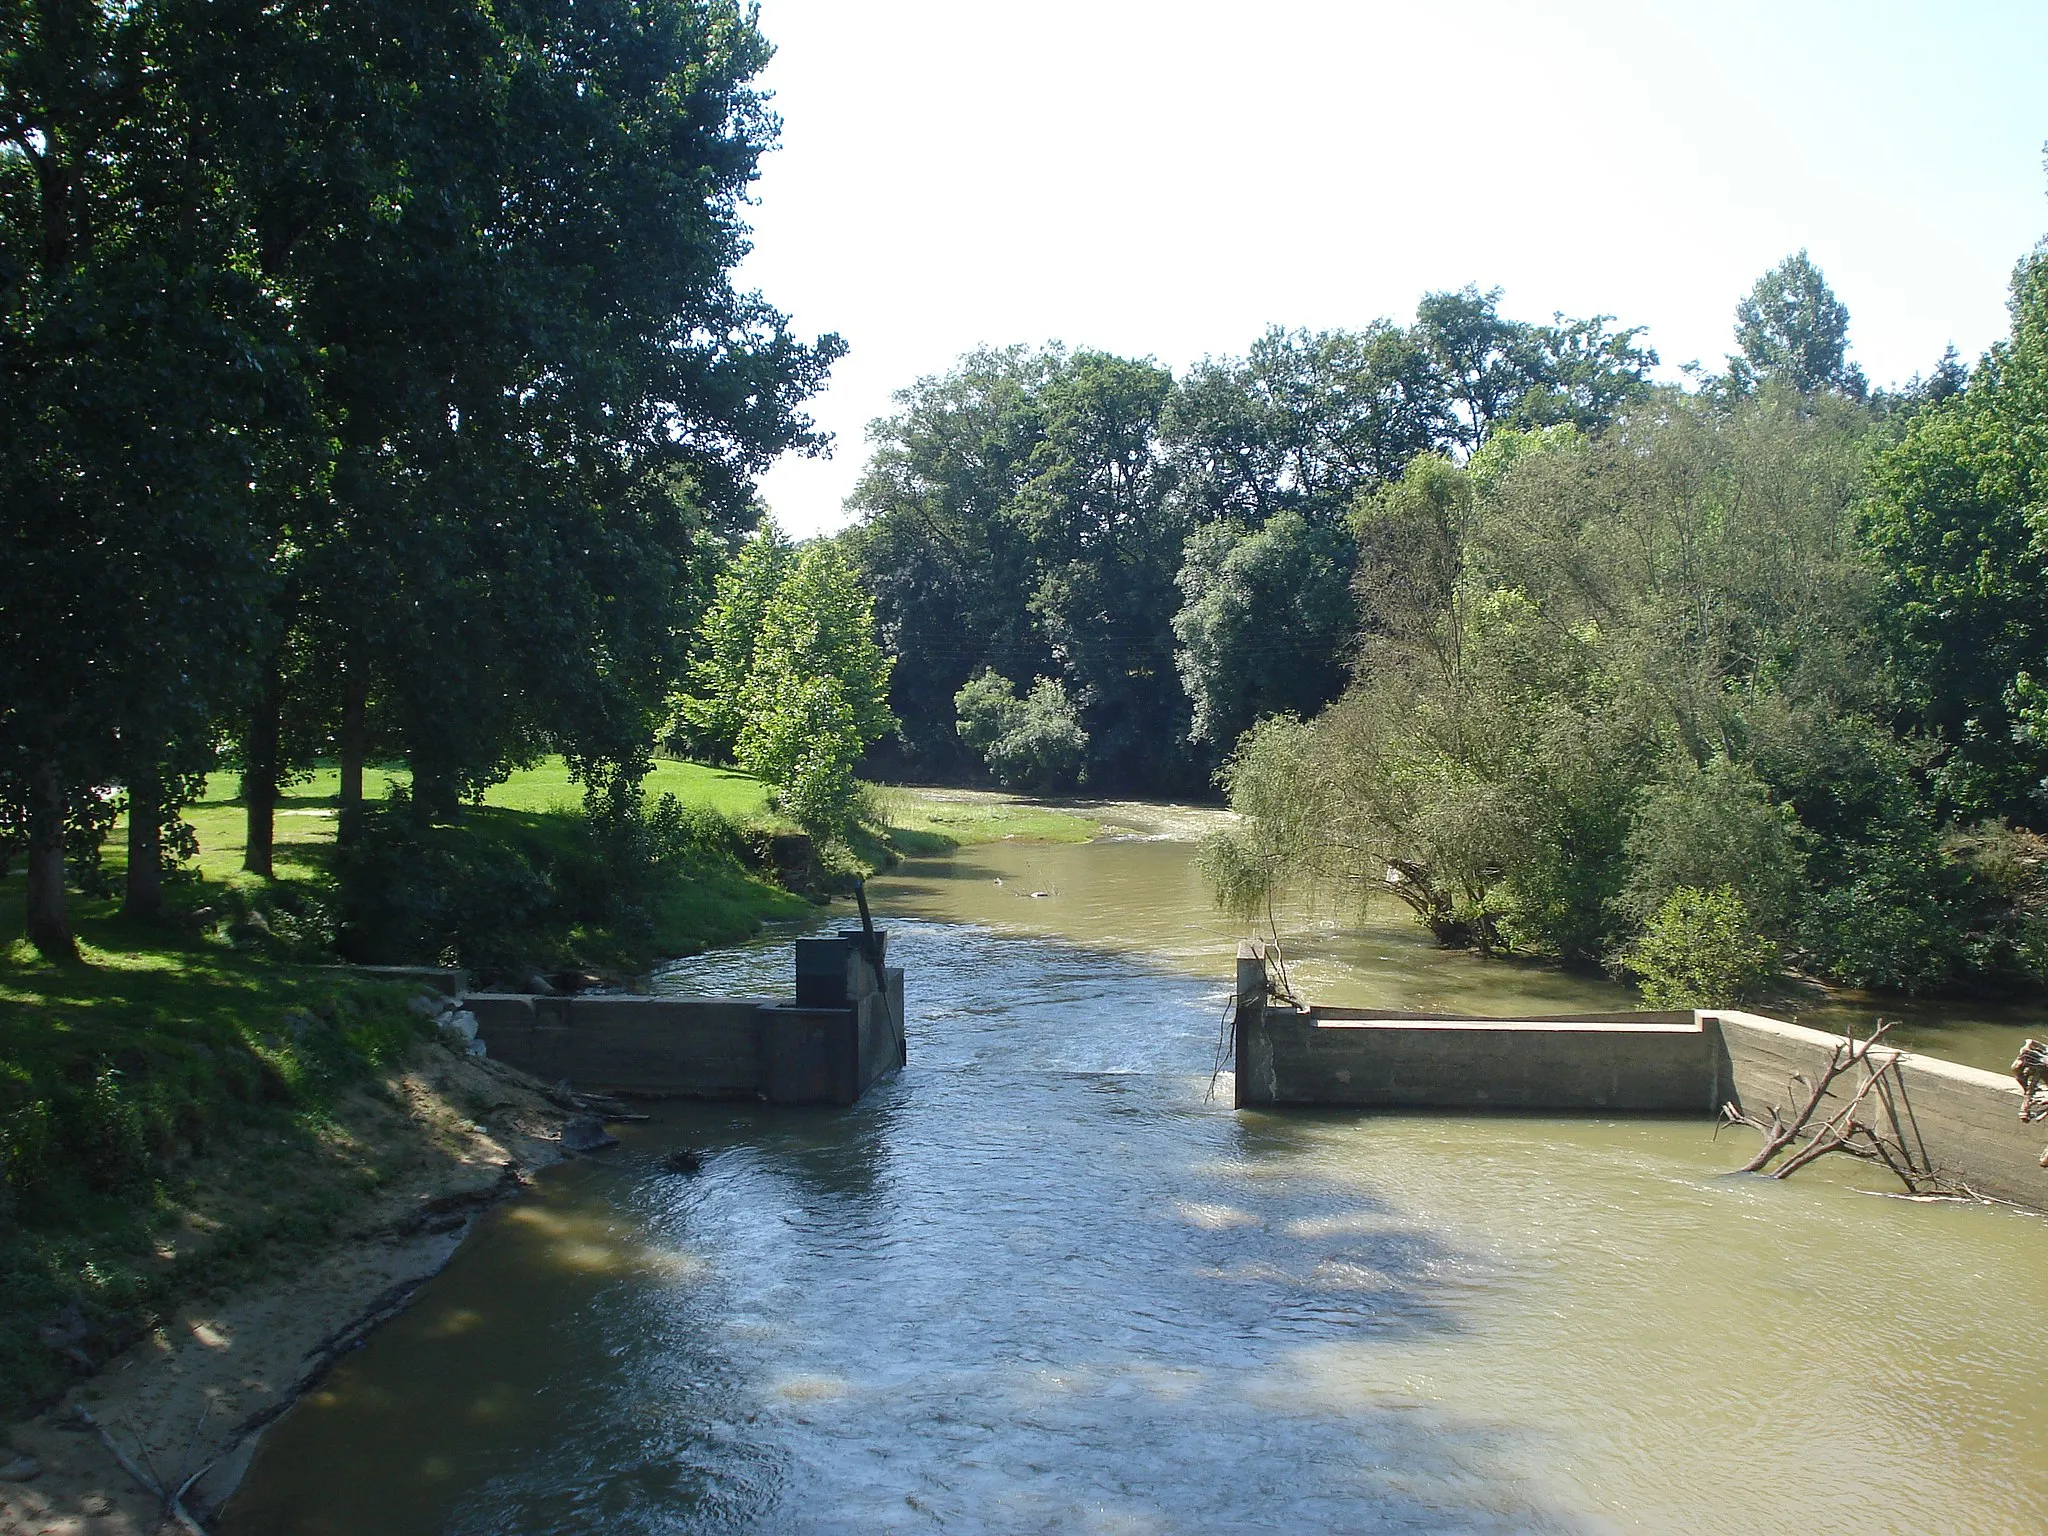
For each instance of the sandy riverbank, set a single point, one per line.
(197, 1392)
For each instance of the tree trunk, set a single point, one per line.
(260, 751)
(355, 698)
(49, 924)
(144, 897)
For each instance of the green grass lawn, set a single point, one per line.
(919, 822)
(928, 822)
(307, 809)
(127, 1081)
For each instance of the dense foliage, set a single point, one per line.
(1173, 553)
(1033, 743)
(378, 380)
(1738, 681)
(789, 682)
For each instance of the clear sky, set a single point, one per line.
(1168, 179)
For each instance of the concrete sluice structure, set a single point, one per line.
(1960, 1123)
(842, 1032)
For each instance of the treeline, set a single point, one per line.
(1746, 678)
(1091, 571)
(376, 387)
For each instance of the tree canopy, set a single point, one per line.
(1740, 679)
(1175, 553)
(384, 371)
(1791, 328)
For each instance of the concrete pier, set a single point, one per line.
(1960, 1122)
(842, 1032)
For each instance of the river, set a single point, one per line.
(1048, 1281)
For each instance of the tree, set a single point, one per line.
(1106, 540)
(1961, 547)
(820, 622)
(1484, 363)
(1035, 743)
(1793, 329)
(143, 360)
(545, 389)
(729, 639)
(1303, 422)
(1574, 648)
(1494, 371)
(1715, 828)
(952, 568)
(1266, 621)
(804, 741)
(818, 690)
(1042, 513)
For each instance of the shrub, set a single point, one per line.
(411, 894)
(1035, 743)
(1700, 949)
(1713, 827)
(1918, 912)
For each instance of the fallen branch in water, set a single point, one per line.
(1846, 1130)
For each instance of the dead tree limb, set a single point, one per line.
(1780, 1133)
(1846, 1130)
(2030, 1071)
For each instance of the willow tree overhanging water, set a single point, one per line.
(1602, 676)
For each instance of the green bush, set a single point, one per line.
(1918, 912)
(1700, 949)
(412, 894)
(618, 884)
(1034, 744)
(1710, 827)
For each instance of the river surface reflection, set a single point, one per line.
(1046, 1282)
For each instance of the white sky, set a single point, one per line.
(1167, 179)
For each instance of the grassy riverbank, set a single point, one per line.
(174, 1115)
(195, 1103)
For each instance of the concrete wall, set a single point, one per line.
(1955, 1121)
(826, 1051)
(1650, 1064)
(685, 1047)
(1960, 1122)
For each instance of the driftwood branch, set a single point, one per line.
(1800, 1141)
(1780, 1133)
(2030, 1071)
(172, 1500)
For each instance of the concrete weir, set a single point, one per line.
(1959, 1122)
(829, 1044)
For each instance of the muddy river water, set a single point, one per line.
(1046, 1281)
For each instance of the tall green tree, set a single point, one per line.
(142, 357)
(1302, 422)
(1106, 536)
(820, 622)
(546, 390)
(818, 690)
(713, 713)
(1563, 637)
(1266, 621)
(1791, 328)
(1961, 541)
(1492, 370)
(952, 568)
